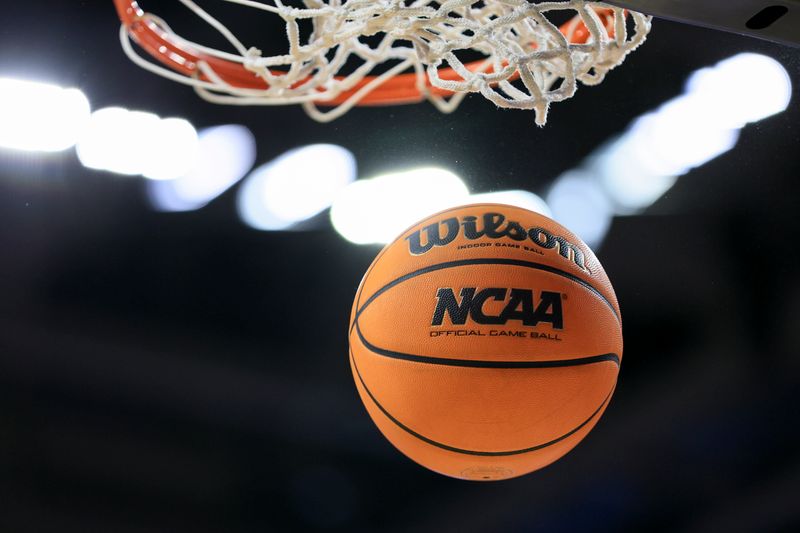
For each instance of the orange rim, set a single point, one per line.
(401, 89)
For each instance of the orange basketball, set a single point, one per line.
(485, 341)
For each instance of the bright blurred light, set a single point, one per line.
(628, 179)
(678, 136)
(40, 117)
(296, 186)
(518, 198)
(646, 161)
(172, 150)
(378, 209)
(135, 142)
(225, 154)
(690, 130)
(744, 88)
(111, 140)
(578, 202)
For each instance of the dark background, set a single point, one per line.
(159, 372)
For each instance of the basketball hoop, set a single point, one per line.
(405, 51)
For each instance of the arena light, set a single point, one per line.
(295, 187)
(108, 140)
(645, 162)
(171, 151)
(135, 142)
(225, 154)
(690, 130)
(640, 166)
(628, 178)
(518, 198)
(744, 88)
(95, 148)
(40, 117)
(680, 136)
(376, 210)
(578, 202)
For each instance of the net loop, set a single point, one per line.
(404, 51)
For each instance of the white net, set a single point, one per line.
(380, 51)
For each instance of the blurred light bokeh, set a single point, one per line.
(376, 210)
(224, 155)
(129, 142)
(295, 186)
(40, 117)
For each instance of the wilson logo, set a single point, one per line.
(520, 305)
(492, 226)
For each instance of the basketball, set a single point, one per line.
(485, 341)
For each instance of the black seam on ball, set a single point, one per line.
(480, 363)
(473, 452)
